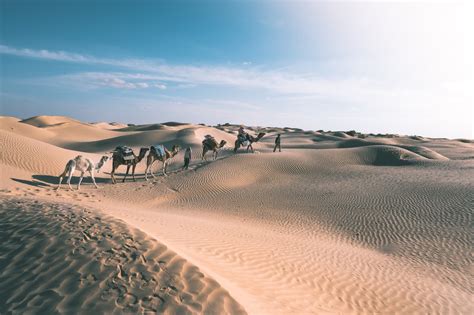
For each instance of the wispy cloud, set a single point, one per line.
(47, 54)
(246, 77)
(111, 79)
(283, 86)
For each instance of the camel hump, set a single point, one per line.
(209, 140)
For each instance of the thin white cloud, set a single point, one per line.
(109, 79)
(47, 54)
(248, 78)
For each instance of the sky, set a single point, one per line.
(382, 67)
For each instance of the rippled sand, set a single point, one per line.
(334, 224)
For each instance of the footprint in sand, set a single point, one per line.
(152, 303)
(88, 279)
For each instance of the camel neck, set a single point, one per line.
(99, 165)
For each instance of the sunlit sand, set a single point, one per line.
(338, 222)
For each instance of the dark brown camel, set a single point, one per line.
(118, 159)
(250, 139)
(210, 144)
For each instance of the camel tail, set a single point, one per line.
(66, 168)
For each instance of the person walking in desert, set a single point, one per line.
(187, 158)
(277, 143)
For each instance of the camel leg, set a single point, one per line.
(151, 171)
(80, 181)
(133, 172)
(70, 171)
(93, 179)
(147, 167)
(61, 177)
(149, 164)
(126, 174)
(112, 174)
(236, 146)
(164, 168)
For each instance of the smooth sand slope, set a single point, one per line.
(339, 222)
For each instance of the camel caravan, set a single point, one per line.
(123, 155)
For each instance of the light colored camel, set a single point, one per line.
(118, 159)
(153, 156)
(210, 144)
(81, 164)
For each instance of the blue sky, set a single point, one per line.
(374, 67)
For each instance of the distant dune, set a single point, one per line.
(339, 222)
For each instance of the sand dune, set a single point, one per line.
(340, 244)
(333, 224)
(61, 258)
(48, 121)
(57, 131)
(32, 155)
(111, 125)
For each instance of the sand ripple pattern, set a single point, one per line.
(66, 259)
(328, 231)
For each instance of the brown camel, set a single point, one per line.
(164, 158)
(118, 159)
(247, 141)
(210, 144)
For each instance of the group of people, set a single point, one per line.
(243, 135)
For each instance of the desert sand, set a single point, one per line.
(339, 222)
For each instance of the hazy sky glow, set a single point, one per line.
(374, 67)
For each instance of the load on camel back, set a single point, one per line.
(158, 149)
(125, 152)
(243, 138)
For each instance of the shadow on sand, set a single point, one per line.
(50, 181)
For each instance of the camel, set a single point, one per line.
(210, 144)
(118, 159)
(248, 141)
(81, 164)
(154, 156)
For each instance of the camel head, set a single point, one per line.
(260, 136)
(101, 163)
(175, 149)
(222, 144)
(142, 153)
